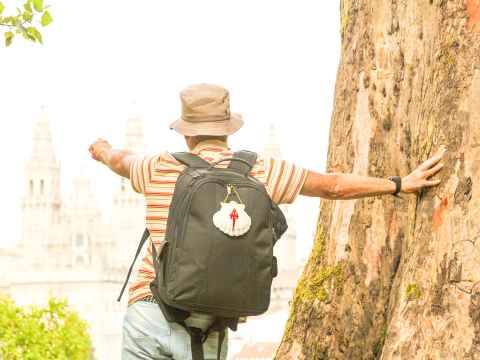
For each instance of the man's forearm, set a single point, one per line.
(342, 186)
(351, 186)
(115, 160)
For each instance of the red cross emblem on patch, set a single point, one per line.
(234, 217)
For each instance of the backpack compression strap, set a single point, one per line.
(249, 156)
(198, 337)
(145, 236)
(191, 160)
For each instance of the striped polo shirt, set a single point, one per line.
(155, 177)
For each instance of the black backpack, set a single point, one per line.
(218, 252)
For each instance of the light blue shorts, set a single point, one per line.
(148, 335)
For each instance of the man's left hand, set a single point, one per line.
(99, 148)
(417, 179)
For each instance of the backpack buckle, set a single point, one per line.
(195, 174)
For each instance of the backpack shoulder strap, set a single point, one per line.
(249, 156)
(145, 236)
(190, 159)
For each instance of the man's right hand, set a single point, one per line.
(98, 148)
(119, 161)
(417, 179)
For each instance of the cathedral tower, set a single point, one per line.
(41, 200)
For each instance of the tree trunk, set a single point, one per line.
(391, 278)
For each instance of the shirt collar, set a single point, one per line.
(210, 143)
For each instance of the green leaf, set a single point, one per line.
(2, 7)
(27, 36)
(28, 7)
(32, 31)
(8, 38)
(27, 16)
(38, 5)
(10, 20)
(46, 18)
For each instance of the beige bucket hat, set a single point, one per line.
(206, 111)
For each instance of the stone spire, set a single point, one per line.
(134, 137)
(41, 201)
(42, 146)
(42, 170)
(128, 210)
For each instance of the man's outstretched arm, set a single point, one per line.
(340, 186)
(119, 161)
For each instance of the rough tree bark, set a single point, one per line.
(391, 278)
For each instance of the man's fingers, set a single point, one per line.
(433, 170)
(432, 182)
(427, 164)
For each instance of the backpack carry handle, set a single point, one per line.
(232, 159)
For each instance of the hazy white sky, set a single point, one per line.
(278, 59)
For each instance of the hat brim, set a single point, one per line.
(216, 128)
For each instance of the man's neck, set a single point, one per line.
(194, 143)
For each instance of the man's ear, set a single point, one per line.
(188, 140)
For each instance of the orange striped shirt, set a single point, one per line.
(155, 177)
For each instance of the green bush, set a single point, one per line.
(36, 333)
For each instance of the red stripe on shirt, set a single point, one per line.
(139, 285)
(300, 183)
(285, 189)
(163, 181)
(163, 171)
(280, 174)
(155, 193)
(157, 217)
(270, 170)
(158, 231)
